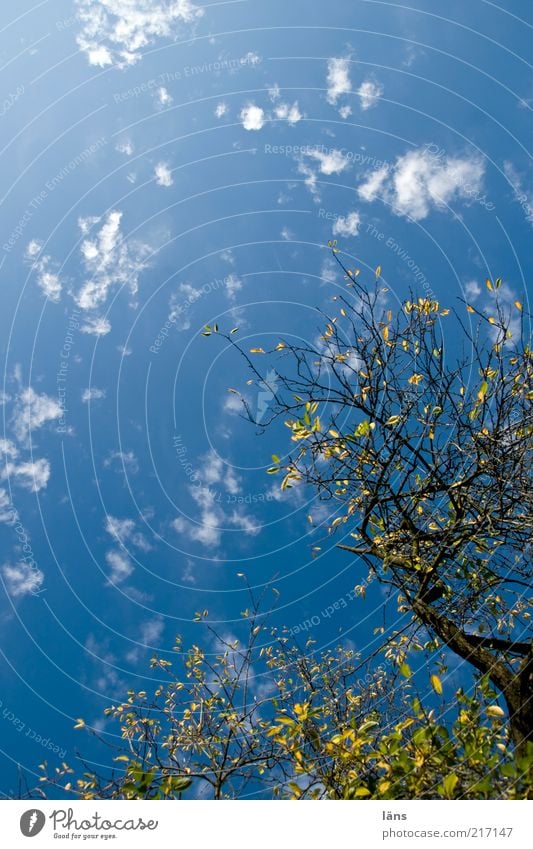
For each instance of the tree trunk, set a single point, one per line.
(515, 686)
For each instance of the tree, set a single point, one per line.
(331, 727)
(423, 447)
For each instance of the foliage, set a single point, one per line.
(325, 731)
(423, 449)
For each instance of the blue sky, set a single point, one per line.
(186, 164)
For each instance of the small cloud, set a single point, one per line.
(338, 79)
(233, 284)
(286, 112)
(472, 290)
(287, 234)
(22, 579)
(32, 474)
(125, 147)
(124, 530)
(97, 326)
(369, 93)
(347, 226)
(345, 112)
(120, 566)
(221, 109)
(188, 576)
(252, 117)
(32, 410)
(163, 97)
(163, 175)
(92, 393)
(122, 460)
(47, 277)
(274, 92)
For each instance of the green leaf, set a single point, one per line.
(449, 784)
(436, 683)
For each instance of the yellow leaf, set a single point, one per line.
(489, 285)
(385, 333)
(378, 272)
(495, 710)
(518, 305)
(256, 351)
(469, 308)
(80, 723)
(436, 684)
(416, 379)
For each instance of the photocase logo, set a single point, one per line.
(32, 822)
(268, 392)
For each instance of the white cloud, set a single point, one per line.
(163, 175)
(8, 448)
(328, 273)
(212, 519)
(97, 326)
(329, 162)
(125, 147)
(252, 117)
(420, 182)
(32, 411)
(347, 226)
(115, 32)
(286, 112)
(120, 566)
(152, 631)
(221, 109)
(522, 196)
(345, 112)
(228, 257)
(122, 460)
(109, 260)
(472, 290)
(124, 530)
(7, 511)
(163, 97)
(92, 393)
(274, 92)
(187, 575)
(33, 248)
(369, 93)
(47, 278)
(287, 234)
(233, 284)
(22, 579)
(233, 404)
(31, 474)
(338, 79)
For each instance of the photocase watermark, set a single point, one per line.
(471, 191)
(353, 156)
(49, 187)
(179, 317)
(10, 716)
(218, 497)
(394, 246)
(64, 363)
(11, 99)
(32, 822)
(266, 394)
(186, 73)
(11, 517)
(327, 613)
